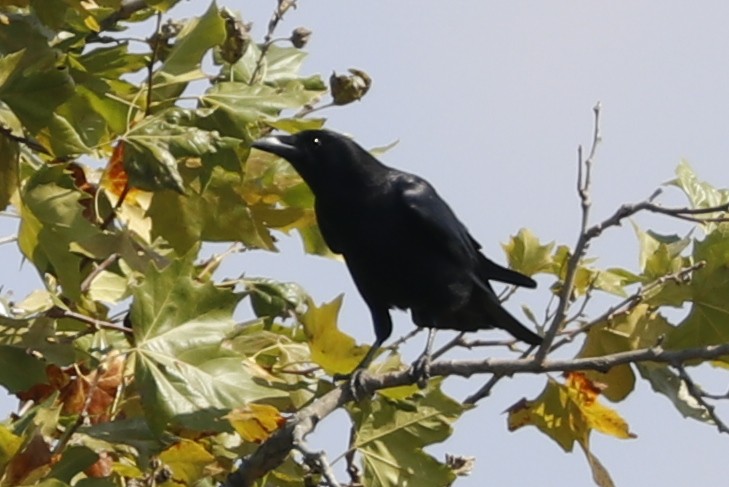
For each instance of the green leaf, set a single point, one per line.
(272, 299)
(217, 213)
(660, 254)
(75, 459)
(155, 144)
(197, 37)
(700, 193)
(231, 106)
(527, 255)
(391, 439)
(134, 432)
(51, 220)
(708, 320)
(180, 365)
(668, 383)
(34, 88)
(13, 359)
(9, 183)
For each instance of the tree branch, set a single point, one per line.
(274, 451)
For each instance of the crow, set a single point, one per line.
(403, 245)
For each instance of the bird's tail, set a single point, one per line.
(499, 317)
(489, 270)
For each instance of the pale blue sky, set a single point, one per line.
(489, 101)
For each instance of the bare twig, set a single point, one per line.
(394, 345)
(317, 461)
(93, 322)
(700, 397)
(281, 9)
(86, 284)
(584, 179)
(155, 42)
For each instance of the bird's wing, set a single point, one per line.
(434, 214)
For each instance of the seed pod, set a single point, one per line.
(348, 88)
(300, 36)
(237, 37)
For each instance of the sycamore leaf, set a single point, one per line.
(13, 359)
(230, 106)
(75, 459)
(708, 320)
(527, 255)
(660, 254)
(663, 380)
(188, 461)
(639, 327)
(701, 194)
(154, 144)
(9, 446)
(588, 278)
(181, 366)
(134, 432)
(255, 422)
(182, 64)
(52, 219)
(567, 413)
(30, 463)
(270, 298)
(391, 439)
(217, 213)
(335, 351)
(9, 153)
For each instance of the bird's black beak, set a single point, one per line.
(281, 145)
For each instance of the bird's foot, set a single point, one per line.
(420, 370)
(355, 383)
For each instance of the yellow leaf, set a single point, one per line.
(637, 328)
(568, 412)
(188, 461)
(334, 351)
(9, 446)
(255, 422)
(583, 392)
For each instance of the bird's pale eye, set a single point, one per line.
(316, 141)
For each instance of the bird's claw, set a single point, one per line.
(420, 371)
(355, 384)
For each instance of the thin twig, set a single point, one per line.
(282, 7)
(699, 396)
(584, 179)
(95, 323)
(86, 284)
(152, 59)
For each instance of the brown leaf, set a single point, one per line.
(35, 455)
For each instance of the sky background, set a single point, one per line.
(488, 101)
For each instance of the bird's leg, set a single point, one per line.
(420, 369)
(383, 329)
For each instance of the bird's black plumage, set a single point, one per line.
(403, 245)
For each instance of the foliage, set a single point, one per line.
(133, 367)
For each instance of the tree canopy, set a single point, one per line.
(121, 159)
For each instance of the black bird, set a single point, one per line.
(403, 245)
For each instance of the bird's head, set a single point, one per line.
(323, 158)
